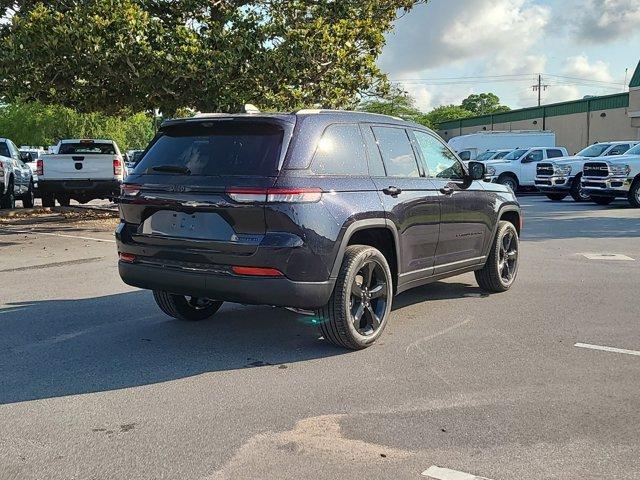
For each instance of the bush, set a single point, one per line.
(37, 124)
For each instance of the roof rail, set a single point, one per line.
(314, 111)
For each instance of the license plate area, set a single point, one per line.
(195, 226)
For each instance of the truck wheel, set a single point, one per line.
(508, 180)
(360, 304)
(634, 193)
(29, 198)
(64, 200)
(577, 193)
(48, 200)
(8, 200)
(190, 309)
(556, 197)
(501, 269)
(603, 200)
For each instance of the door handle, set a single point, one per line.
(393, 191)
(446, 190)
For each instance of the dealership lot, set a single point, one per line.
(95, 382)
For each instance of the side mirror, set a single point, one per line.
(477, 171)
(26, 157)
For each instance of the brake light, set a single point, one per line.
(275, 195)
(127, 257)
(256, 271)
(39, 167)
(129, 190)
(117, 167)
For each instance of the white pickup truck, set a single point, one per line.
(82, 170)
(615, 177)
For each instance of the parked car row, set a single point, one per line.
(16, 178)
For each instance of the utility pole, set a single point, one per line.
(538, 88)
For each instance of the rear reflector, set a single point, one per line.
(39, 167)
(127, 257)
(275, 195)
(257, 272)
(129, 190)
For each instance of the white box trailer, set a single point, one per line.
(470, 146)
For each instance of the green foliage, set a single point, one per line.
(396, 104)
(483, 104)
(43, 125)
(447, 112)
(136, 55)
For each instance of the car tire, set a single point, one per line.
(501, 269)
(64, 200)
(190, 309)
(603, 200)
(556, 197)
(508, 180)
(29, 198)
(634, 193)
(577, 193)
(48, 200)
(360, 304)
(8, 200)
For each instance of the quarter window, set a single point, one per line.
(397, 152)
(341, 151)
(441, 162)
(4, 150)
(554, 153)
(619, 149)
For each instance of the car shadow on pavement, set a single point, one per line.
(67, 347)
(437, 291)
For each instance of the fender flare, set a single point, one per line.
(364, 225)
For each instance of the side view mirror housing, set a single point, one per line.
(477, 171)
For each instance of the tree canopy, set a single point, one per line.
(483, 104)
(117, 56)
(398, 104)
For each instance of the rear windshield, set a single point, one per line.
(216, 149)
(87, 148)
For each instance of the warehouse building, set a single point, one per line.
(577, 123)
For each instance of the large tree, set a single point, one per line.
(483, 104)
(215, 55)
(396, 103)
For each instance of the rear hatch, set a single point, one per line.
(189, 192)
(84, 160)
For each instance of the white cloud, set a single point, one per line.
(598, 21)
(579, 66)
(429, 97)
(445, 32)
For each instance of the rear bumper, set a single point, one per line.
(80, 187)
(607, 187)
(280, 292)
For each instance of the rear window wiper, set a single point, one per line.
(169, 169)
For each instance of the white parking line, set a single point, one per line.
(438, 473)
(608, 349)
(35, 232)
(608, 256)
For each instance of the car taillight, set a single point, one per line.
(39, 167)
(129, 190)
(117, 167)
(256, 272)
(275, 195)
(127, 257)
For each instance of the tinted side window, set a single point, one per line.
(376, 167)
(341, 151)
(397, 152)
(4, 150)
(535, 156)
(554, 153)
(619, 149)
(465, 155)
(441, 162)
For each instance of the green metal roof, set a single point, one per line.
(605, 102)
(635, 80)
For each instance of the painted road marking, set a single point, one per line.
(36, 232)
(438, 473)
(608, 349)
(608, 256)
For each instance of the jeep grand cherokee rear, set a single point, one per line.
(331, 212)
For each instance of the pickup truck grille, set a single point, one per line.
(595, 169)
(544, 170)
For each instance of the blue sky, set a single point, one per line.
(581, 47)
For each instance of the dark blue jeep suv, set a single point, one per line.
(332, 212)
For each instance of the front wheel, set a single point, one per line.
(8, 200)
(634, 193)
(577, 192)
(508, 181)
(603, 200)
(360, 304)
(501, 269)
(556, 197)
(190, 309)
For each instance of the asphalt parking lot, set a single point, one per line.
(96, 383)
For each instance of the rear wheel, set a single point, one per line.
(29, 198)
(577, 193)
(64, 200)
(8, 200)
(556, 197)
(48, 200)
(508, 180)
(501, 269)
(634, 193)
(191, 309)
(360, 304)
(603, 200)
